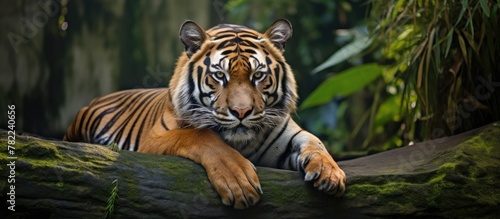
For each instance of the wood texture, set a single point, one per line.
(449, 177)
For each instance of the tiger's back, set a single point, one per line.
(123, 117)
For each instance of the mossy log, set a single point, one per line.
(448, 177)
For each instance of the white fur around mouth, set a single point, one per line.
(238, 134)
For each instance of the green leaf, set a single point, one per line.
(484, 6)
(389, 72)
(465, 4)
(449, 40)
(388, 111)
(463, 48)
(346, 52)
(344, 83)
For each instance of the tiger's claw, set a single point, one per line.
(321, 169)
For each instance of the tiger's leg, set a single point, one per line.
(309, 154)
(233, 176)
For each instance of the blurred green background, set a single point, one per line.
(372, 75)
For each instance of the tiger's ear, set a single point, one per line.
(279, 32)
(192, 36)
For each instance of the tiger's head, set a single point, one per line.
(233, 79)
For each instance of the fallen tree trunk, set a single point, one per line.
(449, 177)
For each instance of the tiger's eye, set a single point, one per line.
(257, 75)
(220, 75)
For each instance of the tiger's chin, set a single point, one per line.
(238, 134)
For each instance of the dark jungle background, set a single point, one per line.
(373, 75)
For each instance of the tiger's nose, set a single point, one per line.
(240, 112)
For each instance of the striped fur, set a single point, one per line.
(227, 107)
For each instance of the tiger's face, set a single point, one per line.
(234, 80)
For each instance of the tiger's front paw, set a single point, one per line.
(320, 168)
(235, 179)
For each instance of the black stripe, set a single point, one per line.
(287, 152)
(211, 86)
(137, 115)
(124, 98)
(190, 81)
(251, 51)
(80, 134)
(141, 128)
(127, 140)
(91, 124)
(283, 86)
(253, 36)
(158, 109)
(274, 94)
(227, 52)
(266, 135)
(117, 132)
(163, 124)
(115, 117)
(136, 108)
(224, 35)
(206, 62)
(223, 44)
(274, 140)
(95, 123)
(248, 43)
(233, 29)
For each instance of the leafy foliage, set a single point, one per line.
(345, 83)
(447, 53)
(442, 71)
(352, 49)
(114, 147)
(110, 204)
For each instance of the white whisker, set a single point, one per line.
(199, 116)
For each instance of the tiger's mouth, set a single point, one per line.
(237, 130)
(228, 121)
(262, 121)
(240, 130)
(240, 133)
(232, 129)
(237, 127)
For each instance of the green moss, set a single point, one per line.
(37, 149)
(486, 141)
(403, 208)
(183, 176)
(283, 191)
(370, 189)
(400, 198)
(60, 185)
(468, 176)
(99, 152)
(42, 154)
(282, 196)
(446, 167)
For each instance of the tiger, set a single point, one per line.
(228, 108)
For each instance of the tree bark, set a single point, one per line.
(448, 177)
